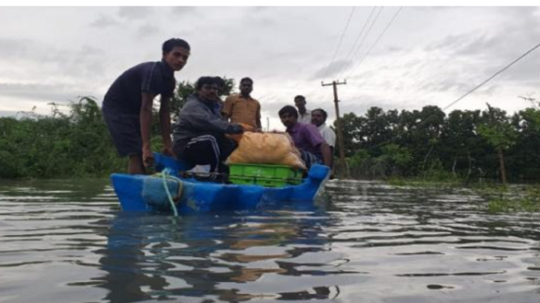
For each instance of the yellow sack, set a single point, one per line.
(237, 137)
(266, 148)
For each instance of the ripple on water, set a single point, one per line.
(66, 241)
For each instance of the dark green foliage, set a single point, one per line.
(425, 144)
(59, 145)
(431, 145)
(77, 144)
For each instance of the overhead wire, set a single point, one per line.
(340, 41)
(360, 34)
(335, 52)
(493, 76)
(361, 42)
(367, 33)
(470, 91)
(376, 41)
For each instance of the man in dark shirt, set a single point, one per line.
(199, 133)
(127, 106)
(306, 137)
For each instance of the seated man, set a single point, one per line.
(306, 137)
(199, 134)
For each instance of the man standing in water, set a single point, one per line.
(304, 115)
(127, 106)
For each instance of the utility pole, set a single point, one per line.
(344, 172)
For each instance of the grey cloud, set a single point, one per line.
(183, 10)
(86, 61)
(13, 48)
(135, 12)
(8, 113)
(333, 69)
(147, 30)
(41, 92)
(104, 21)
(260, 9)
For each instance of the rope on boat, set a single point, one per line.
(164, 175)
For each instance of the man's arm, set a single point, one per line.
(199, 117)
(146, 122)
(226, 111)
(165, 123)
(327, 155)
(259, 125)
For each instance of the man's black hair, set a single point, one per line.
(220, 82)
(324, 113)
(172, 43)
(300, 97)
(246, 79)
(288, 109)
(205, 80)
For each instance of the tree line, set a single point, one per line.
(463, 144)
(378, 144)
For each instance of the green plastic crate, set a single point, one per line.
(264, 175)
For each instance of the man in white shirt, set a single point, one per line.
(304, 115)
(318, 118)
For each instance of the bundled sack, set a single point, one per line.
(266, 148)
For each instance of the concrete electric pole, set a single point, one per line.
(344, 172)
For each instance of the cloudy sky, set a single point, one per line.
(391, 57)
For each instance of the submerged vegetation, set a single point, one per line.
(504, 199)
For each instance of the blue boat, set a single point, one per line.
(169, 193)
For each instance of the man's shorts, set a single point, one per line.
(309, 158)
(125, 130)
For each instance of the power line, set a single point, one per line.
(335, 53)
(360, 34)
(460, 98)
(340, 40)
(497, 73)
(376, 41)
(368, 31)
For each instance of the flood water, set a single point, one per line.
(67, 241)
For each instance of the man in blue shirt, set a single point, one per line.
(127, 106)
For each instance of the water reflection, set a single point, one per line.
(225, 255)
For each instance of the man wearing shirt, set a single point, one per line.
(306, 137)
(304, 115)
(318, 118)
(127, 106)
(199, 134)
(242, 108)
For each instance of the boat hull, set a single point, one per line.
(149, 193)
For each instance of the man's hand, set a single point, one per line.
(168, 151)
(147, 157)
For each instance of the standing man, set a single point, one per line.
(306, 137)
(318, 118)
(199, 133)
(304, 114)
(242, 108)
(127, 106)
